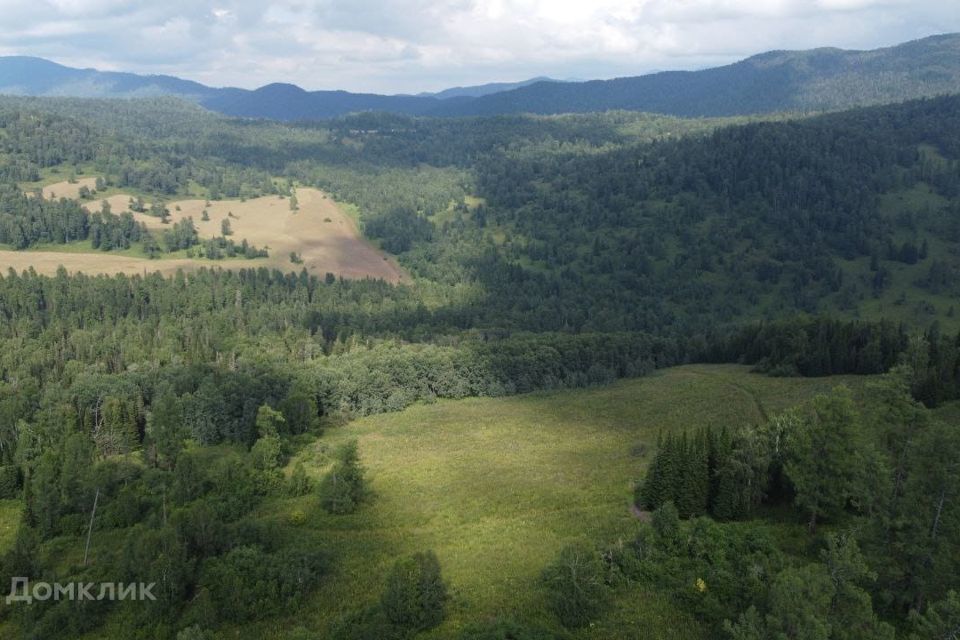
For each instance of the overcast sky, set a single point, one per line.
(394, 46)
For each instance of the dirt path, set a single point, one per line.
(640, 514)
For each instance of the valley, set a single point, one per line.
(670, 356)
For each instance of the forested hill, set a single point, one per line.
(853, 212)
(814, 80)
(613, 222)
(778, 81)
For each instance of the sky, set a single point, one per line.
(409, 46)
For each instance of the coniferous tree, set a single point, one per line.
(415, 595)
(165, 432)
(576, 591)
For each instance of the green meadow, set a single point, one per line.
(497, 486)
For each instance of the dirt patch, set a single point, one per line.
(640, 514)
(69, 190)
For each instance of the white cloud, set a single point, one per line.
(412, 45)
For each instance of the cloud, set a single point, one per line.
(413, 45)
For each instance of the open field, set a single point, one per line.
(497, 486)
(47, 262)
(325, 238)
(69, 190)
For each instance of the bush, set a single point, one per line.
(344, 488)
(299, 483)
(366, 624)
(506, 630)
(666, 523)
(9, 482)
(415, 595)
(575, 587)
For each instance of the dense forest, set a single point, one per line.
(546, 253)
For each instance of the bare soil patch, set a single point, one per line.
(69, 190)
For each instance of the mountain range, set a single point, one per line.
(811, 80)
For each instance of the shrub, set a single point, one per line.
(366, 624)
(9, 482)
(575, 587)
(344, 488)
(415, 595)
(299, 483)
(505, 630)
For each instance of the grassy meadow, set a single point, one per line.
(497, 486)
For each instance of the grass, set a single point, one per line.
(9, 521)
(498, 486)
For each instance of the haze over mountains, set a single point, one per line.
(812, 80)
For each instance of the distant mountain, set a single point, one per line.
(477, 91)
(38, 77)
(814, 80)
(817, 79)
(290, 102)
(21, 75)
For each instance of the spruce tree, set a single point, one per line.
(649, 493)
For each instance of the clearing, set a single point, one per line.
(324, 237)
(69, 190)
(496, 486)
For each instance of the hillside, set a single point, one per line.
(485, 89)
(524, 223)
(777, 81)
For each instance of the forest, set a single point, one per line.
(547, 253)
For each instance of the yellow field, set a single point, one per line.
(69, 190)
(325, 238)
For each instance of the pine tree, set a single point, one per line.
(672, 469)
(693, 483)
(649, 493)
